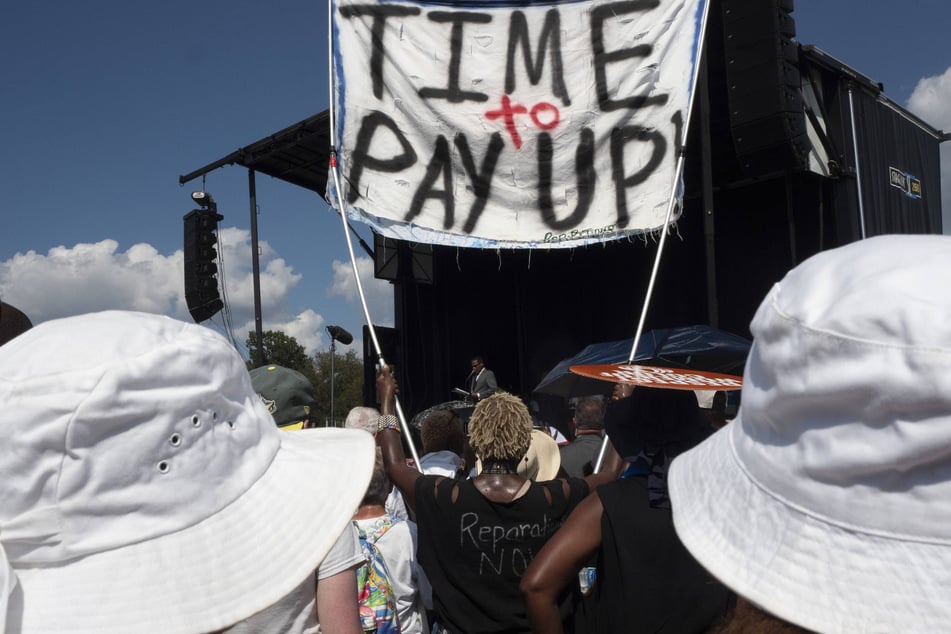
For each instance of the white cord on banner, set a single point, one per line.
(346, 234)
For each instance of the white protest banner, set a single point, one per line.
(511, 124)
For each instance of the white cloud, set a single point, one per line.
(930, 100)
(93, 277)
(379, 293)
(306, 328)
(276, 277)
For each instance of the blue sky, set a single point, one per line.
(105, 103)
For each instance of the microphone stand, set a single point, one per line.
(469, 386)
(333, 340)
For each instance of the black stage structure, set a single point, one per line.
(791, 152)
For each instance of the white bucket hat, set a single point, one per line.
(145, 488)
(541, 461)
(827, 501)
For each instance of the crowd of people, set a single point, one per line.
(150, 483)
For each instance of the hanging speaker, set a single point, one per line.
(200, 266)
(761, 56)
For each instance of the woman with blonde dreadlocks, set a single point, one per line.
(477, 536)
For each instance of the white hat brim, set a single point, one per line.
(797, 566)
(217, 572)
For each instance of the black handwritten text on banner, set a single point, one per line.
(489, 125)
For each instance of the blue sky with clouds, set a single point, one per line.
(106, 103)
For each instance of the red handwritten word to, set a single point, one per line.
(508, 110)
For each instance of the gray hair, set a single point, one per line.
(589, 413)
(365, 418)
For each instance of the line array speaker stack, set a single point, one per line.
(761, 55)
(201, 268)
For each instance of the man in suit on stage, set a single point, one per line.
(481, 381)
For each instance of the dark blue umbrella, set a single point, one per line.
(688, 347)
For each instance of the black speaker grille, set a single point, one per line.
(767, 118)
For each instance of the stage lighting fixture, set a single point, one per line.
(204, 199)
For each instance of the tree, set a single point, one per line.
(347, 384)
(281, 349)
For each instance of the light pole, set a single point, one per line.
(336, 334)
